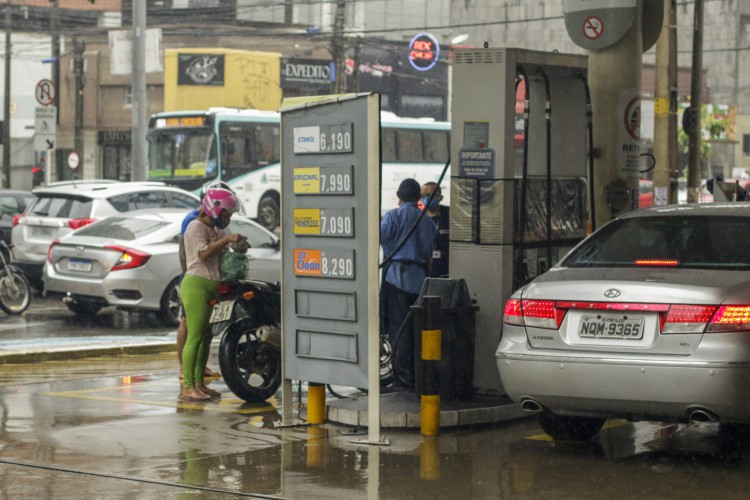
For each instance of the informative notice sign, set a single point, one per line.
(597, 24)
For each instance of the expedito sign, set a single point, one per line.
(296, 72)
(424, 51)
(597, 24)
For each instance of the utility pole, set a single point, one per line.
(665, 170)
(673, 88)
(140, 101)
(6, 115)
(693, 120)
(337, 50)
(55, 30)
(78, 48)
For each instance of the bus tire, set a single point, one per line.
(268, 213)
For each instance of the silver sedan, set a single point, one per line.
(648, 318)
(131, 261)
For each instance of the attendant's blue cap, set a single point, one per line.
(409, 190)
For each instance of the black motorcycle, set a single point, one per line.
(15, 292)
(248, 318)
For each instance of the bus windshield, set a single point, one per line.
(186, 157)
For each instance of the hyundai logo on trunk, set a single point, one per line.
(612, 293)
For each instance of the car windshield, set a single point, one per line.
(122, 228)
(692, 242)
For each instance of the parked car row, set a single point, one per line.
(63, 207)
(107, 243)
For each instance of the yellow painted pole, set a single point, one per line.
(431, 354)
(316, 403)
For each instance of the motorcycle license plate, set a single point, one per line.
(222, 311)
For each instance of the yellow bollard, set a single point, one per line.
(316, 403)
(431, 355)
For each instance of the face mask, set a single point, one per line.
(433, 204)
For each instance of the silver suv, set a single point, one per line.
(63, 207)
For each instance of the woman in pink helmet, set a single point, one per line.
(205, 242)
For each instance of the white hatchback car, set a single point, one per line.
(62, 207)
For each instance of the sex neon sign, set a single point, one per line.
(424, 50)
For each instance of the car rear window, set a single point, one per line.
(122, 228)
(62, 206)
(136, 201)
(696, 242)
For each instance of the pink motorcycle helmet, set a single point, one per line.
(218, 199)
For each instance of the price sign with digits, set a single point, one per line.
(324, 180)
(324, 222)
(330, 199)
(324, 263)
(319, 139)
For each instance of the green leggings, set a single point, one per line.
(195, 292)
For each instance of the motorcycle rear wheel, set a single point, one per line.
(15, 292)
(251, 370)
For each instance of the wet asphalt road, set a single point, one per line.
(114, 428)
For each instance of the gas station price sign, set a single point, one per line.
(324, 180)
(320, 139)
(324, 263)
(330, 185)
(337, 222)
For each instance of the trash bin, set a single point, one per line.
(457, 325)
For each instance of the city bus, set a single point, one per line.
(186, 149)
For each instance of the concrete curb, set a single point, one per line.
(78, 353)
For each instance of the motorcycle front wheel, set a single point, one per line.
(251, 370)
(15, 292)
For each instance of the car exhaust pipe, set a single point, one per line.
(702, 415)
(531, 406)
(68, 299)
(270, 336)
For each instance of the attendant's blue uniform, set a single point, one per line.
(403, 277)
(442, 244)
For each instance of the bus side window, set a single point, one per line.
(409, 146)
(266, 145)
(388, 138)
(436, 146)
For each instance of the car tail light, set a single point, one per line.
(129, 259)
(512, 314)
(18, 219)
(534, 313)
(657, 262)
(78, 223)
(49, 250)
(730, 318)
(686, 318)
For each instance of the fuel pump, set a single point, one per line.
(517, 203)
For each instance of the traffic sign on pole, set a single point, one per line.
(45, 127)
(46, 92)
